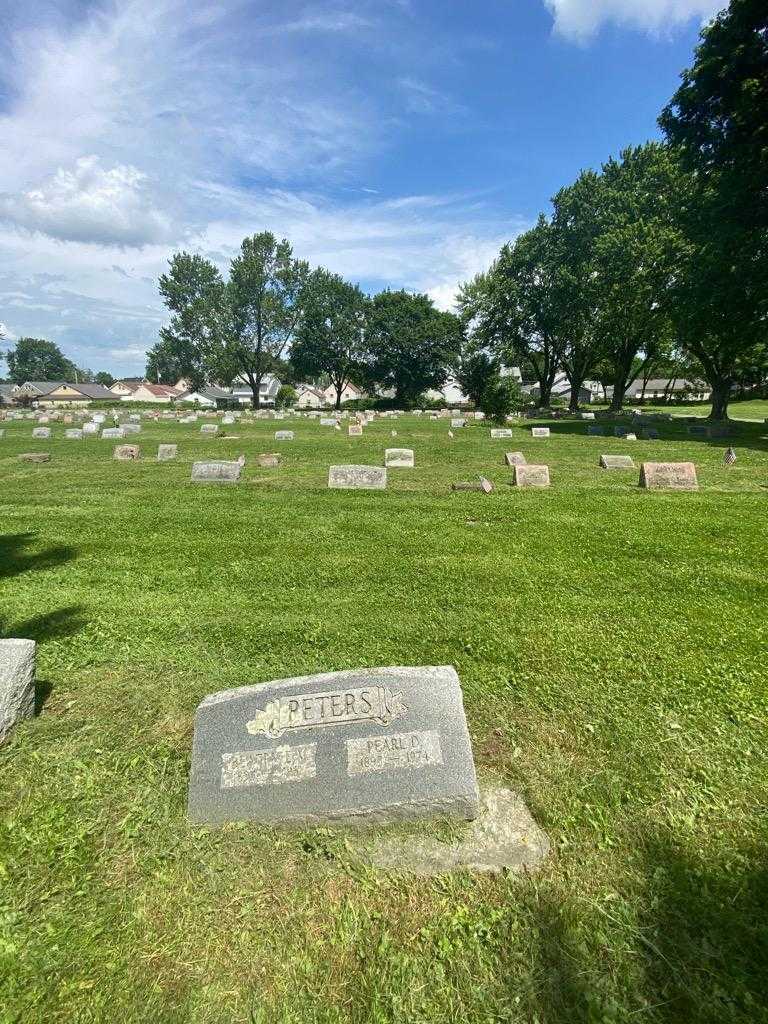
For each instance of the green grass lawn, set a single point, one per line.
(755, 410)
(611, 643)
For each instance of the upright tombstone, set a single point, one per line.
(499, 432)
(357, 478)
(131, 428)
(73, 434)
(17, 683)
(398, 458)
(327, 421)
(457, 422)
(283, 435)
(530, 476)
(217, 472)
(668, 476)
(515, 459)
(43, 433)
(126, 452)
(167, 452)
(209, 429)
(90, 429)
(355, 430)
(539, 431)
(616, 462)
(111, 433)
(362, 747)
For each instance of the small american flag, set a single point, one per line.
(730, 457)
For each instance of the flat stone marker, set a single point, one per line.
(111, 433)
(91, 428)
(17, 683)
(73, 434)
(269, 460)
(504, 837)
(355, 430)
(42, 432)
(35, 457)
(514, 459)
(668, 476)
(283, 435)
(126, 452)
(497, 432)
(530, 476)
(363, 747)
(398, 458)
(466, 485)
(539, 431)
(595, 431)
(458, 422)
(616, 462)
(167, 452)
(366, 478)
(216, 472)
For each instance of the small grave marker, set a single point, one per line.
(126, 452)
(399, 458)
(217, 472)
(539, 431)
(374, 745)
(515, 459)
(366, 478)
(167, 452)
(283, 435)
(616, 462)
(499, 432)
(670, 476)
(530, 476)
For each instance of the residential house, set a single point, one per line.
(207, 398)
(310, 398)
(59, 392)
(659, 389)
(146, 392)
(125, 387)
(242, 393)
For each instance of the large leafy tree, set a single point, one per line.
(410, 344)
(511, 310)
(330, 339)
(259, 312)
(717, 123)
(193, 291)
(629, 213)
(38, 359)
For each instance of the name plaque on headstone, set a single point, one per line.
(373, 745)
(669, 476)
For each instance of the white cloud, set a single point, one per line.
(90, 203)
(580, 20)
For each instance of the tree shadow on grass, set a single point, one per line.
(698, 948)
(16, 559)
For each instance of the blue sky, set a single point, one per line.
(398, 142)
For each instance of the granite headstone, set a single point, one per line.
(371, 478)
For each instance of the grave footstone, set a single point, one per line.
(530, 476)
(367, 478)
(616, 462)
(539, 431)
(126, 452)
(363, 747)
(217, 472)
(467, 485)
(43, 433)
(167, 452)
(669, 476)
(515, 459)
(499, 432)
(399, 458)
(268, 460)
(283, 435)
(355, 430)
(35, 457)
(17, 683)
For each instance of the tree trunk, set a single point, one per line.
(721, 393)
(573, 405)
(620, 384)
(339, 386)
